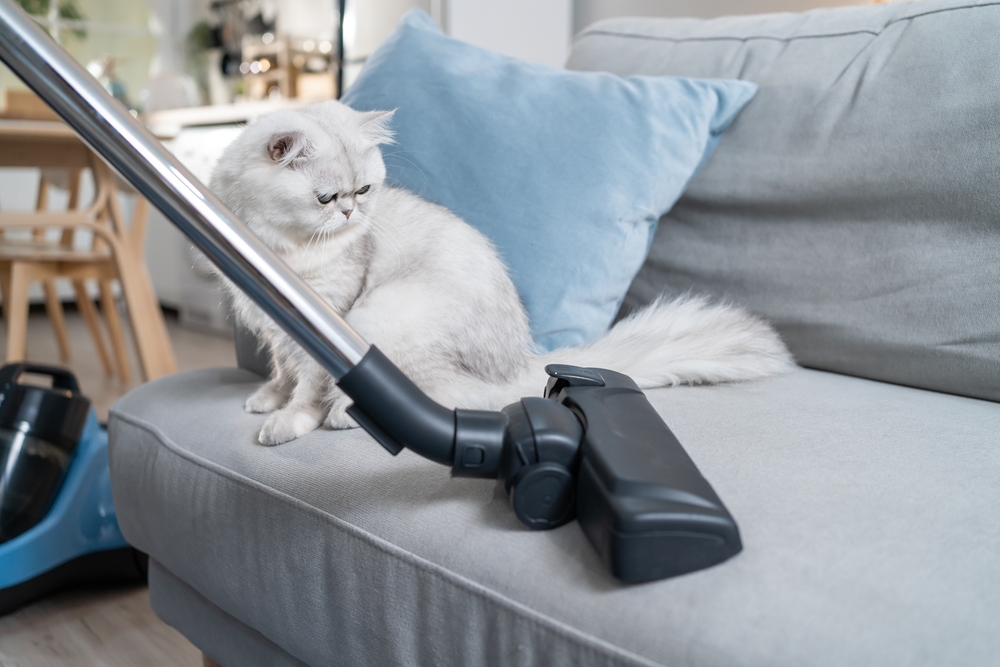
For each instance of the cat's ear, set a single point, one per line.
(375, 126)
(286, 147)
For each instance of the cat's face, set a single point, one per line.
(300, 176)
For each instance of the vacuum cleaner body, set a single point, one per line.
(57, 520)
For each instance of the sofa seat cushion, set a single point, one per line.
(867, 511)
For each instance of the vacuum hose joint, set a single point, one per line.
(396, 412)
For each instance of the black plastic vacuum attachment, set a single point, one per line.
(39, 430)
(593, 449)
(640, 499)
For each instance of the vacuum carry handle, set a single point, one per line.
(61, 378)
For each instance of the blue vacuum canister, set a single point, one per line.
(57, 521)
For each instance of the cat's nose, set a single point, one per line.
(347, 213)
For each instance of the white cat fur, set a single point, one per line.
(426, 288)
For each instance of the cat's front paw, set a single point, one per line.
(265, 399)
(288, 424)
(337, 418)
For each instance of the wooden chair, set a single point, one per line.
(116, 254)
(40, 260)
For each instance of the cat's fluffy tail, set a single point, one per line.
(682, 341)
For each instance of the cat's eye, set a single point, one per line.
(326, 199)
(364, 190)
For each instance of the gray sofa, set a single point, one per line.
(855, 203)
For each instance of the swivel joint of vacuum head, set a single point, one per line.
(540, 461)
(532, 446)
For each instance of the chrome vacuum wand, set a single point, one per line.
(594, 446)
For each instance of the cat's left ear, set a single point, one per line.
(375, 126)
(286, 147)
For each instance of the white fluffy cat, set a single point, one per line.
(425, 287)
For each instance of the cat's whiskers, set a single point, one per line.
(317, 237)
(380, 231)
(380, 222)
(399, 154)
(381, 235)
(311, 239)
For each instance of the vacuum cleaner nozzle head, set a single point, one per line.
(593, 448)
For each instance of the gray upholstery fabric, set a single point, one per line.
(856, 200)
(218, 635)
(866, 509)
(250, 354)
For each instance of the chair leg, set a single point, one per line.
(149, 331)
(16, 310)
(89, 313)
(5, 285)
(156, 354)
(53, 306)
(110, 307)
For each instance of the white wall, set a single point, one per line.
(366, 25)
(535, 30)
(588, 11)
(368, 22)
(307, 18)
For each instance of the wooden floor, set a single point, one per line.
(110, 627)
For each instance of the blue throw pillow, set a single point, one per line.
(566, 172)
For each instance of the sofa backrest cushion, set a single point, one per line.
(856, 200)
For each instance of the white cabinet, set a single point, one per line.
(180, 273)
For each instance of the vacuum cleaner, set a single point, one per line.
(592, 448)
(57, 519)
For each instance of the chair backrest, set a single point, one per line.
(856, 200)
(66, 179)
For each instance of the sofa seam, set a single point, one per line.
(725, 38)
(720, 38)
(537, 618)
